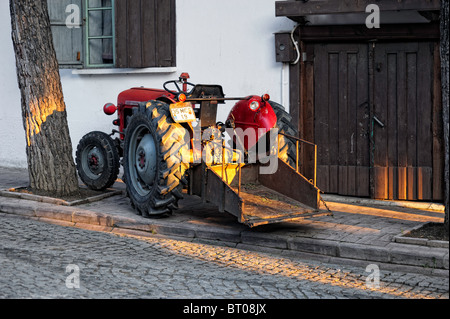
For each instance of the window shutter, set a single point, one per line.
(145, 33)
(67, 38)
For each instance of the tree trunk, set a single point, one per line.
(445, 101)
(49, 149)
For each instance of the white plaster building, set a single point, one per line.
(230, 43)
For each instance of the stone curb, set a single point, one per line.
(390, 203)
(431, 257)
(420, 241)
(50, 200)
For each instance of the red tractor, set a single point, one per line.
(169, 140)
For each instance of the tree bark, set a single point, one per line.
(445, 99)
(49, 149)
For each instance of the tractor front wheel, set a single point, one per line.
(97, 161)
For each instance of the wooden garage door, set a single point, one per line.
(403, 106)
(342, 118)
(374, 113)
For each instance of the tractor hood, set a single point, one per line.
(140, 94)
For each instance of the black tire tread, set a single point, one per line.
(170, 138)
(287, 146)
(106, 143)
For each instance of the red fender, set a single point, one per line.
(129, 99)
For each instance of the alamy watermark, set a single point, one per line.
(73, 20)
(373, 20)
(73, 279)
(213, 148)
(373, 279)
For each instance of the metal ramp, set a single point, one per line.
(265, 206)
(255, 198)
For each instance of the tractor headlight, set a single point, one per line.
(254, 106)
(109, 109)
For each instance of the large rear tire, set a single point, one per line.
(97, 161)
(287, 147)
(156, 157)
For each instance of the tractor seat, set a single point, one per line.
(202, 91)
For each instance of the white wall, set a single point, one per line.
(218, 42)
(12, 137)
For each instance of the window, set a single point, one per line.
(99, 33)
(114, 33)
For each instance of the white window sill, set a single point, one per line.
(115, 71)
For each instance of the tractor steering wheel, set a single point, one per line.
(177, 85)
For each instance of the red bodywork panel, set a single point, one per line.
(141, 95)
(131, 98)
(260, 121)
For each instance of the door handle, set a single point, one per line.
(376, 119)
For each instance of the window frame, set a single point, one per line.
(87, 38)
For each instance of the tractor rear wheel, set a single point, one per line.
(287, 147)
(97, 161)
(156, 157)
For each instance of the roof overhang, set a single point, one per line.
(298, 10)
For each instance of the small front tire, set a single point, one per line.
(97, 160)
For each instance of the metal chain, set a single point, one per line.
(326, 206)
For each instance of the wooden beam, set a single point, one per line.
(315, 7)
(428, 31)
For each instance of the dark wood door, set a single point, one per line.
(374, 114)
(342, 118)
(403, 137)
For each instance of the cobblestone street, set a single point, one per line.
(39, 260)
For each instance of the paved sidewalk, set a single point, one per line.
(360, 232)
